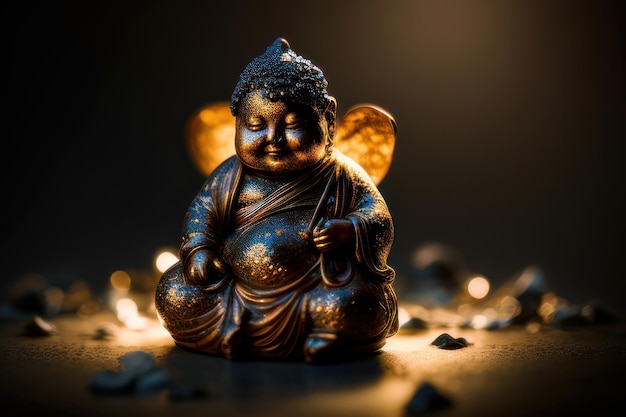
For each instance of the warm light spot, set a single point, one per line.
(210, 133)
(403, 316)
(367, 135)
(464, 310)
(548, 306)
(546, 311)
(479, 321)
(137, 323)
(588, 313)
(533, 327)
(54, 296)
(87, 309)
(478, 287)
(164, 260)
(126, 310)
(509, 307)
(120, 280)
(550, 298)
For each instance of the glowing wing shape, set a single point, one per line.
(367, 134)
(211, 136)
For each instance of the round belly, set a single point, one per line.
(271, 252)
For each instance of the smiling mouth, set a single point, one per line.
(273, 151)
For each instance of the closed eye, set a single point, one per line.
(294, 121)
(255, 124)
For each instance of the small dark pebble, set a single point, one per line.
(574, 315)
(445, 341)
(140, 375)
(105, 331)
(183, 393)
(137, 363)
(425, 399)
(112, 382)
(38, 327)
(414, 323)
(152, 382)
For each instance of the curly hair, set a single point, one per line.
(283, 75)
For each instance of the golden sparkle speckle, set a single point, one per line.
(258, 253)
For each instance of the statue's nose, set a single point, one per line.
(276, 136)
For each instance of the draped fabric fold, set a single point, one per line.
(273, 321)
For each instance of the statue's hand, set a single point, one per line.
(333, 234)
(203, 267)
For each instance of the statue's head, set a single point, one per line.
(281, 74)
(285, 119)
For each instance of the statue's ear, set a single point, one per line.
(331, 115)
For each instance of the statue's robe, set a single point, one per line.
(279, 288)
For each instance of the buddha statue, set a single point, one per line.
(284, 248)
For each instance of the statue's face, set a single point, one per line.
(278, 137)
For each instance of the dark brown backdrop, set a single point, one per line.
(510, 116)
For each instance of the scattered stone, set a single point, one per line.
(426, 399)
(38, 327)
(445, 341)
(414, 323)
(106, 331)
(183, 393)
(112, 382)
(528, 288)
(436, 275)
(141, 376)
(137, 363)
(153, 381)
(574, 315)
(135, 376)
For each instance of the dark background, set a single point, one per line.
(511, 126)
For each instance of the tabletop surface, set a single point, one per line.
(514, 371)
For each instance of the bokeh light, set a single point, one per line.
(120, 280)
(164, 260)
(478, 287)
